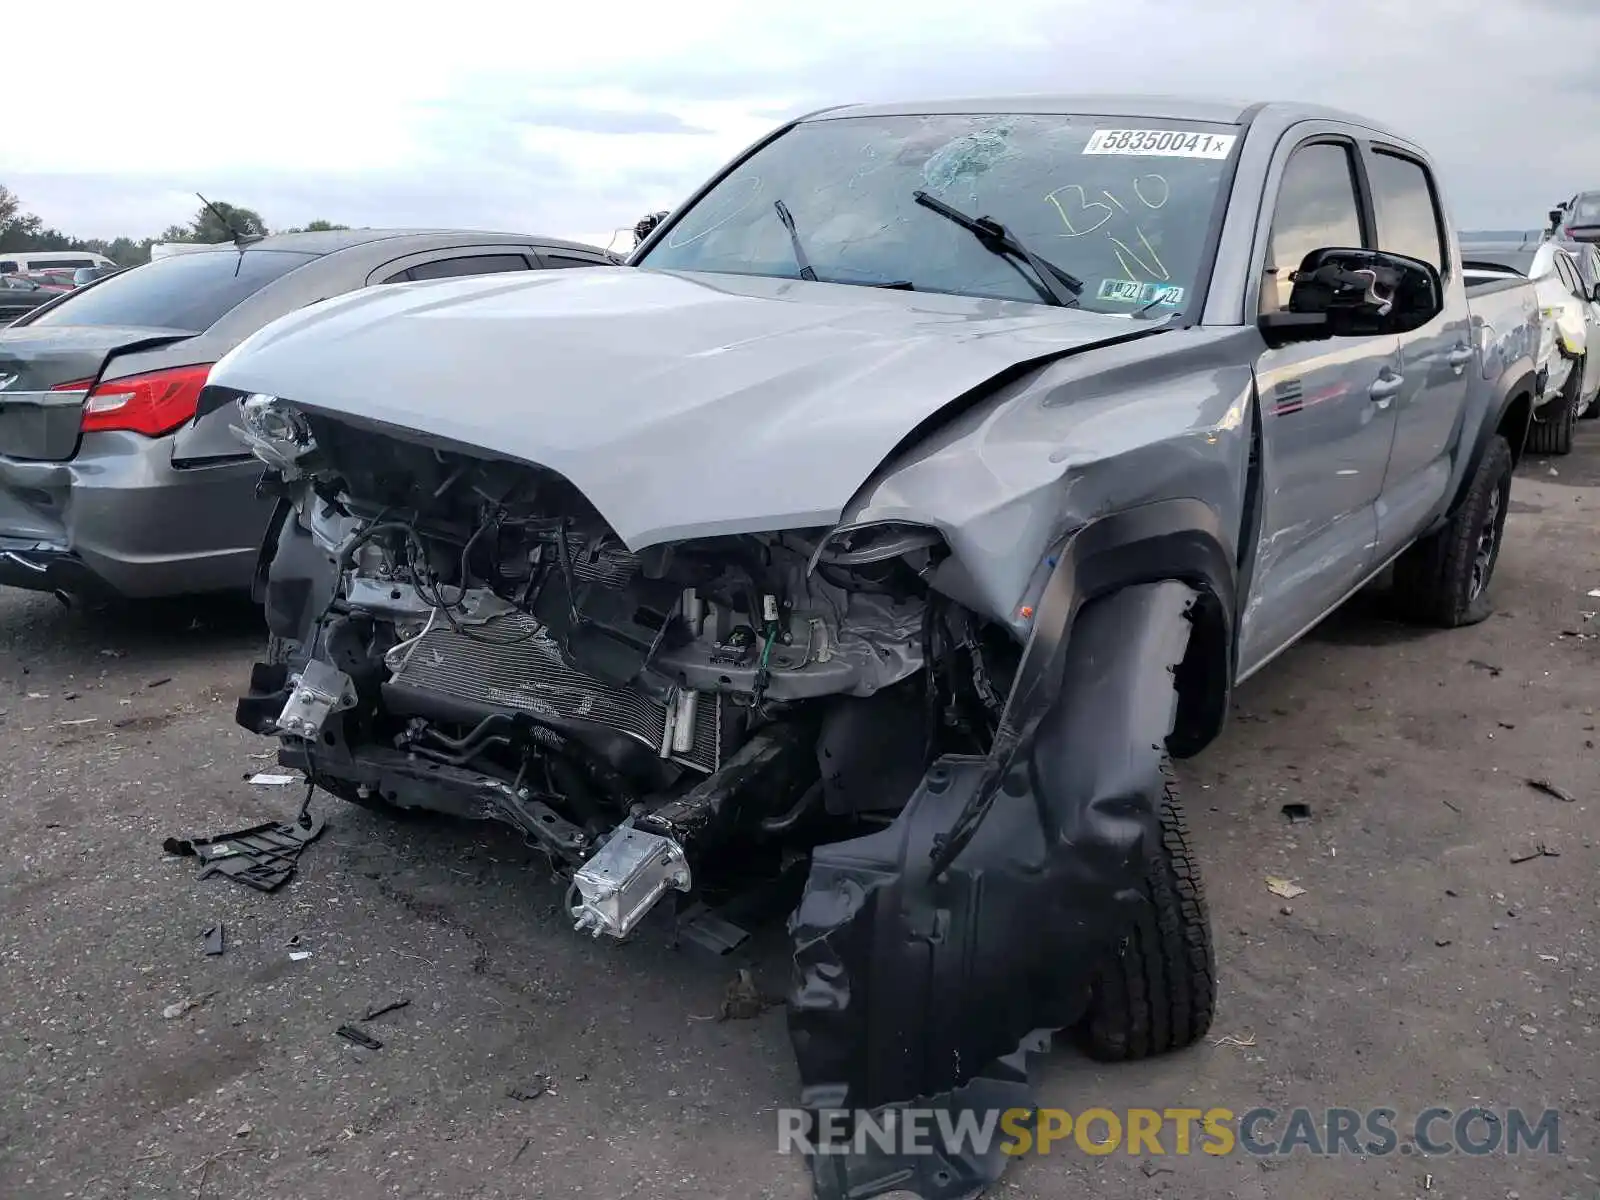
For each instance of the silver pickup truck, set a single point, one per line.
(876, 535)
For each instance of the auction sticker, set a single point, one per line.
(1162, 143)
(1131, 291)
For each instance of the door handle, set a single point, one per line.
(1385, 388)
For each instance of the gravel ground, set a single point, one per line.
(1420, 967)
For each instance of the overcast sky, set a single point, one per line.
(576, 119)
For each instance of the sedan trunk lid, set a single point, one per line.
(37, 421)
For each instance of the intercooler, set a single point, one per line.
(516, 665)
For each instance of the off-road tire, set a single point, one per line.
(1436, 582)
(1158, 992)
(1554, 436)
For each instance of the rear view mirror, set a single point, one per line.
(1351, 292)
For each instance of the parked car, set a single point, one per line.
(44, 260)
(1578, 219)
(1570, 346)
(927, 478)
(105, 486)
(20, 295)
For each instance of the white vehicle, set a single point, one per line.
(1569, 349)
(15, 262)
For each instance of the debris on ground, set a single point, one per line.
(743, 1001)
(1539, 851)
(359, 1036)
(173, 1011)
(1595, 592)
(1441, 942)
(1483, 666)
(299, 955)
(269, 780)
(244, 1130)
(374, 1013)
(532, 1090)
(155, 683)
(1297, 812)
(262, 857)
(81, 721)
(1229, 1039)
(1552, 789)
(1453, 807)
(213, 940)
(1284, 887)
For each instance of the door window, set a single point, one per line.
(1407, 210)
(1317, 208)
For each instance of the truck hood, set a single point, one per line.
(682, 405)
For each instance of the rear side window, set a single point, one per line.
(472, 264)
(1586, 209)
(1317, 209)
(555, 259)
(1408, 218)
(187, 291)
(7, 266)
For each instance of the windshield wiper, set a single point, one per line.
(800, 259)
(1055, 285)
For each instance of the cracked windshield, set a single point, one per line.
(1047, 209)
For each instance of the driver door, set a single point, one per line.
(1327, 417)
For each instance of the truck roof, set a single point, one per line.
(1142, 107)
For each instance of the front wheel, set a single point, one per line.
(1158, 992)
(1444, 579)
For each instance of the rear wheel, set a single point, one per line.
(1444, 579)
(1553, 434)
(1158, 993)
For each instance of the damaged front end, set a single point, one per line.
(971, 812)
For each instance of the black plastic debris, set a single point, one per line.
(1552, 789)
(262, 857)
(1479, 664)
(1297, 812)
(532, 1090)
(213, 940)
(374, 1013)
(359, 1036)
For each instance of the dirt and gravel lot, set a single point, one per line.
(1420, 967)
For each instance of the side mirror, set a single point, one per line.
(1555, 215)
(1348, 292)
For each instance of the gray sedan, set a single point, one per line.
(107, 483)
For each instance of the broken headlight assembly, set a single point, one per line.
(875, 542)
(275, 431)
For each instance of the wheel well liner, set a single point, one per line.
(1166, 540)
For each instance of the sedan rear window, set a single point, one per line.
(187, 291)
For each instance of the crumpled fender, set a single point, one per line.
(933, 958)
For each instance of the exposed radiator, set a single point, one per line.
(530, 676)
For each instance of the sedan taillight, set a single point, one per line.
(151, 404)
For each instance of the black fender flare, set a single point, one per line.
(1517, 381)
(1182, 540)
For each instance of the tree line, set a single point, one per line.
(22, 230)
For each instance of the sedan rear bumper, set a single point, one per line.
(119, 518)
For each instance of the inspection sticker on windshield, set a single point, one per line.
(1131, 291)
(1166, 143)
